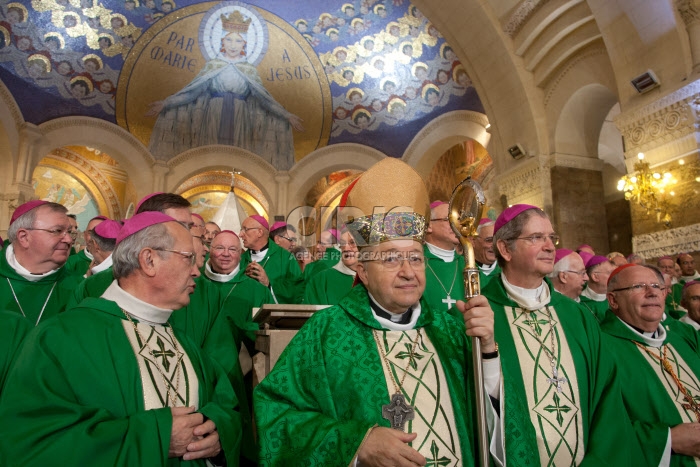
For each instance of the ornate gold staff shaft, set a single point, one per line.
(466, 205)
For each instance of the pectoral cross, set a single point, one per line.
(556, 380)
(449, 300)
(398, 412)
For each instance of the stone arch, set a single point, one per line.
(581, 119)
(109, 138)
(10, 122)
(443, 133)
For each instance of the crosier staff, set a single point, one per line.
(466, 205)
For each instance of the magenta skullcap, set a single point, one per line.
(227, 231)
(690, 283)
(437, 203)
(666, 257)
(584, 246)
(335, 233)
(277, 225)
(198, 216)
(561, 253)
(511, 213)
(25, 208)
(596, 260)
(98, 218)
(141, 221)
(585, 256)
(146, 198)
(485, 220)
(108, 229)
(261, 220)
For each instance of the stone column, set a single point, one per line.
(160, 173)
(690, 12)
(282, 207)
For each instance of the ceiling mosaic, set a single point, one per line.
(278, 78)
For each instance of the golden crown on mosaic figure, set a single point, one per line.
(235, 23)
(388, 202)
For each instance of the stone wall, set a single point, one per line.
(619, 226)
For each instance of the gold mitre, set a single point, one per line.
(388, 202)
(235, 23)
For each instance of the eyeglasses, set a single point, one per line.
(220, 249)
(289, 239)
(580, 273)
(187, 254)
(396, 260)
(60, 232)
(539, 239)
(638, 288)
(245, 229)
(444, 219)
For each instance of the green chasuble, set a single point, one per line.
(12, 332)
(484, 278)
(283, 272)
(673, 301)
(444, 284)
(78, 263)
(585, 422)
(31, 297)
(596, 308)
(330, 258)
(328, 387)
(86, 402)
(653, 399)
(328, 287)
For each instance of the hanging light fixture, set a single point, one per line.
(649, 189)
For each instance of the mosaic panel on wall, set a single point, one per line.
(54, 185)
(180, 74)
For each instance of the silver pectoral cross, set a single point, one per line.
(398, 412)
(556, 380)
(449, 300)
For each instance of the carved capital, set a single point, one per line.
(689, 11)
(529, 182)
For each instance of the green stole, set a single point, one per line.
(596, 308)
(86, 391)
(12, 332)
(653, 400)
(283, 272)
(444, 284)
(673, 301)
(599, 406)
(328, 387)
(78, 263)
(328, 287)
(57, 287)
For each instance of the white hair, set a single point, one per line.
(562, 265)
(485, 224)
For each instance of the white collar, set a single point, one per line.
(88, 254)
(216, 277)
(446, 255)
(528, 299)
(690, 278)
(688, 320)
(646, 336)
(258, 256)
(488, 269)
(392, 326)
(595, 296)
(342, 268)
(144, 312)
(21, 270)
(104, 265)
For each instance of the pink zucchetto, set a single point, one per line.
(690, 283)
(511, 213)
(437, 203)
(335, 233)
(261, 220)
(585, 256)
(620, 269)
(560, 254)
(98, 218)
(108, 229)
(227, 231)
(276, 225)
(485, 220)
(140, 222)
(596, 260)
(198, 216)
(146, 198)
(25, 208)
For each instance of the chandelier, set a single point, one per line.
(649, 189)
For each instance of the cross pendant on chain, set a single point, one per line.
(449, 300)
(556, 380)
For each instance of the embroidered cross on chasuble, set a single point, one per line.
(167, 375)
(426, 390)
(551, 389)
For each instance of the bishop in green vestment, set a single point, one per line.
(33, 281)
(327, 254)
(111, 382)
(330, 286)
(658, 367)
(269, 264)
(79, 263)
(379, 377)
(594, 297)
(484, 252)
(12, 332)
(562, 399)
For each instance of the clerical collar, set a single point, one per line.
(446, 255)
(688, 320)
(342, 268)
(216, 277)
(487, 269)
(21, 270)
(652, 339)
(595, 296)
(104, 265)
(260, 254)
(393, 321)
(528, 299)
(88, 254)
(265, 247)
(142, 311)
(690, 278)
